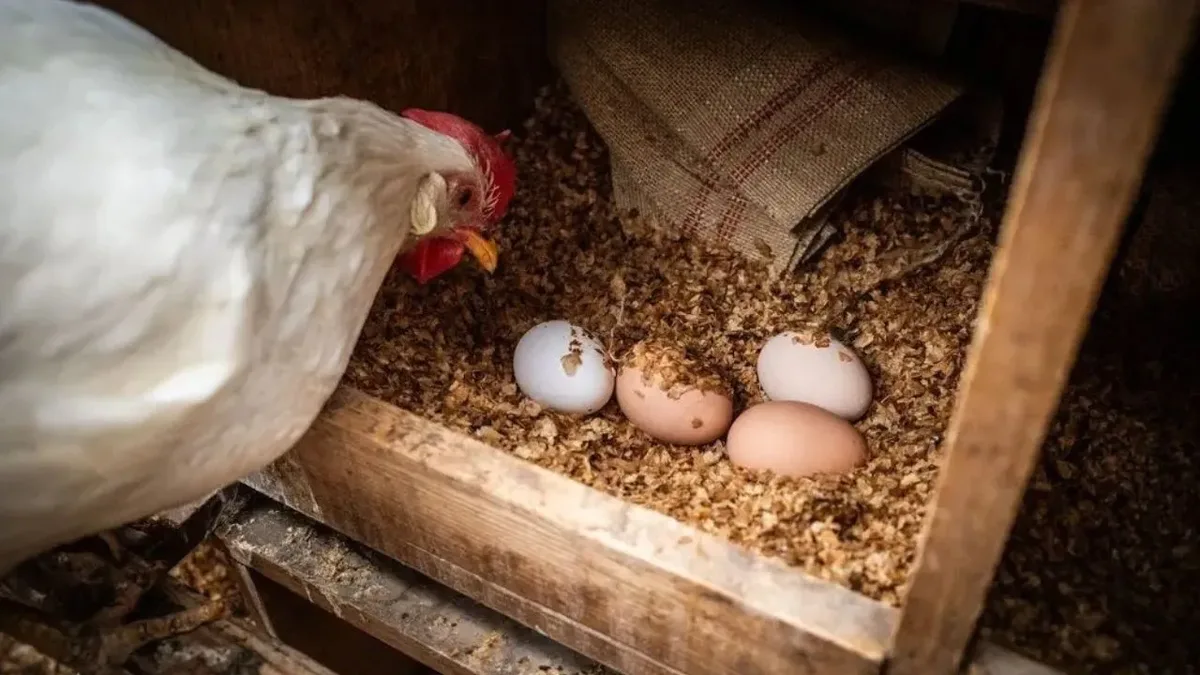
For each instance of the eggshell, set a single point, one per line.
(563, 368)
(794, 439)
(825, 373)
(672, 397)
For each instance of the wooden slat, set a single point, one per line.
(1108, 74)
(626, 586)
(420, 618)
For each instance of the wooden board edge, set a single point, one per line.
(405, 609)
(412, 614)
(991, 659)
(421, 494)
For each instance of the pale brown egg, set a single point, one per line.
(794, 439)
(672, 397)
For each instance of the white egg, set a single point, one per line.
(563, 368)
(833, 377)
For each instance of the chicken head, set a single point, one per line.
(452, 214)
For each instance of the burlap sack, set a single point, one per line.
(734, 122)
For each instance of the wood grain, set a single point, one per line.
(482, 60)
(1109, 71)
(416, 616)
(628, 587)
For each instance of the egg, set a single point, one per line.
(563, 368)
(794, 439)
(672, 397)
(823, 372)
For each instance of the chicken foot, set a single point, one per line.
(75, 602)
(90, 650)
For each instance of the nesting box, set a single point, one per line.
(658, 559)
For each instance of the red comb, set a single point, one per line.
(481, 145)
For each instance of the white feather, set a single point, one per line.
(185, 266)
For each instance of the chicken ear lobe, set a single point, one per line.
(423, 212)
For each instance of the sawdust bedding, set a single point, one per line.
(1099, 573)
(444, 351)
(1104, 534)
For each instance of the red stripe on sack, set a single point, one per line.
(761, 116)
(755, 161)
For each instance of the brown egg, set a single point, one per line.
(672, 397)
(794, 439)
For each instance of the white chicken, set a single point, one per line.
(186, 264)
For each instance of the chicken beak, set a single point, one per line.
(484, 249)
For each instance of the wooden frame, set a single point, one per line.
(411, 614)
(1077, 180)
(414, 615)
(645, 594)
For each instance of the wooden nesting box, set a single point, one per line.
(631, 588)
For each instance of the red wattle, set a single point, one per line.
(431, 258)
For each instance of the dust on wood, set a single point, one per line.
(396, 605)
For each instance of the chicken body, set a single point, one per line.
(185, 266)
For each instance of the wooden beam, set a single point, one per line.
(252, 601)
(1109, 73)
(423, 619)
(628, 587)
(412, 614)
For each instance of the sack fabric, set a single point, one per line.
(734, 121)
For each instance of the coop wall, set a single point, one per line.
(482, 60)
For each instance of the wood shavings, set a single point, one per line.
(208, 571)
(444, 352)
(669, 368)
(1100, 572)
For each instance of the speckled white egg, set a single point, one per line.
(821, 372)
(563, 368)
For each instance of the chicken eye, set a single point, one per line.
(464, 197)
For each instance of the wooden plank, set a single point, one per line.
(484, 61)
(332, 642)
(626, 586)
(1109, 71)
(423, 619)
(252, 600)
(420, 618)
